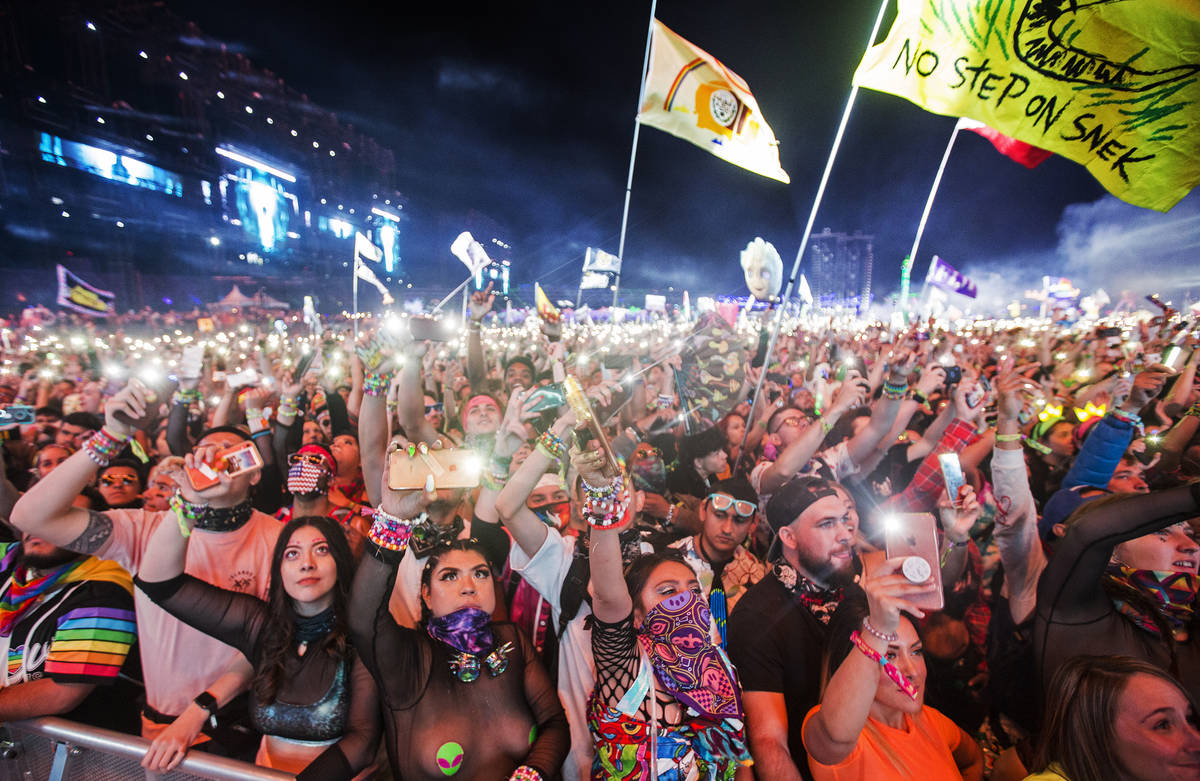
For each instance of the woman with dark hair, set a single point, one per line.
(461, 694)
(1116, 717)
(312, 698)
(667, 700)
(872, 721)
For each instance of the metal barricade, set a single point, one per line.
(53, 749)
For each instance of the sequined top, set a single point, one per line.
(323, 720)
(320, 697)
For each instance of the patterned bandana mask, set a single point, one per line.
(303, 478)
(675, 635)
(1173, 592)
(556, 515)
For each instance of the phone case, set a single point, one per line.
(915, 534)
(235, 460)
(458, 468)
(952, 474)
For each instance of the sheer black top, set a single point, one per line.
(308, 680)
(434, 722)
(1076, 616)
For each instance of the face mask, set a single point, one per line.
(468, 631)
(306, 480)
(649, 474)
(676, 636)
(556, 515)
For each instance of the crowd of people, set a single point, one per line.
(346, 550)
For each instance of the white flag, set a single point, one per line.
(593, 279)
(363, 248)
(470, 252)
(805, 291)
(367, 274)
(599, 260)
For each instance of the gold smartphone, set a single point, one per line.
(458, 468)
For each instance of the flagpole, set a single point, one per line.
(937, 180)
(354, 295)
(812, 218)
(637, 126)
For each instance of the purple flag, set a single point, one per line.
(943, 275)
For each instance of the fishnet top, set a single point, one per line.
(618, 658)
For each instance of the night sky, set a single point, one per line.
(524, 112)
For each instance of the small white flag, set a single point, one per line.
(470, 252)
(805, 291)
(367, 274)
(593, 279)
(363, 248)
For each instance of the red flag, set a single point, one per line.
(1027, 155)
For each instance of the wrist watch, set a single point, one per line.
(209, 703)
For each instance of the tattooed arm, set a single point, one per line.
(45, 511)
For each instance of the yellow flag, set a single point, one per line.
(692, 96)
(1110, 84)
(546, 310)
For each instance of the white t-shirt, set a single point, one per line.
(546, 572)
(836, 459)
(180, 662)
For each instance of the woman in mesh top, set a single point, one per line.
(461, 695)
(667, 703)
(312, 698)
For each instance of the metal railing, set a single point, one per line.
(51, 749)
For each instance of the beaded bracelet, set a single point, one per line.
(257, 420)
(607, 506)
(102, 446)
(525, 773)
(390, 532)
(894, 637)
(187, 396)
(889, 669)
(894, 392)
(1193, 411)
(376, 384)
(551, 445)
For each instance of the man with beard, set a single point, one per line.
(66, 624)
(310, 470)
(779, 629)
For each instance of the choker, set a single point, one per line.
(468, 634)
(310, 628)
(222, 519)
(821, 602)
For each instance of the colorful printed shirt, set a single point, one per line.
(78, 632)
(739, 574)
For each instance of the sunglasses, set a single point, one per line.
(306, 458)
(118, 480)
(436, 407)
(722, 502)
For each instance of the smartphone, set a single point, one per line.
(239, 379)
(191, 363)
(238, 459)
(156, 393)
(20, 414)
(915, 534)
(1172, 355)
(427, 329)
(546, 397)
(303, 365)
(1107, 333)
(952, 474)
(457, 468)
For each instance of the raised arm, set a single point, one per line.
(610, 597)
(1016, 523)
(831, 735)
(481, 304)
(527, 529)
(796, 455)
(46, 511)
(883, 413)
(1070, 586)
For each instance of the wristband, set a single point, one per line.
(1009, 437)
(606, 506)
(376, 384)
(918, 397)
(894, 392)
(889, 669)
(1131, 418)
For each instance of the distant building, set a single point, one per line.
(839, 269)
